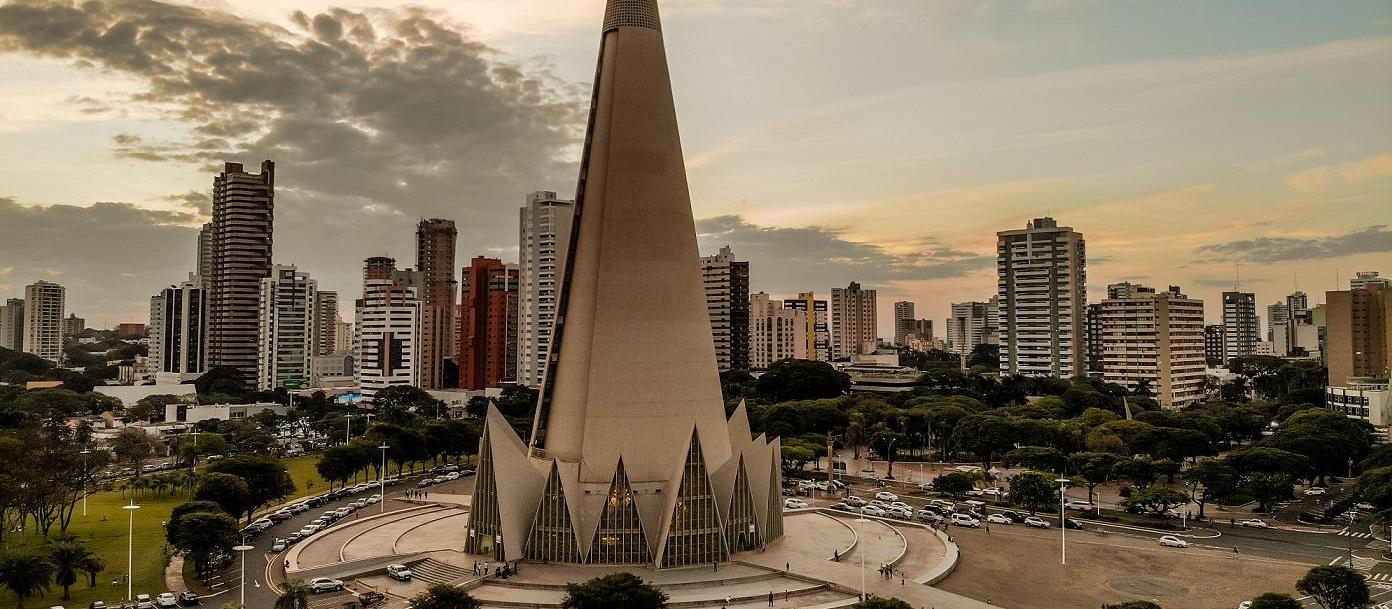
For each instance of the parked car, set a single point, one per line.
(279, 545)
(794, 504)
(943, 504)
(143, 601)
(1314, 491)
(999, 519)
(900, 512)
(855, 501)
(929, 516)
(901, 504)
(886, 496)
(1078, 505)
(280, 516)
(976, 492)
(842, 506)
(1255, 523)
(166, 599)
(1013, 515)
(370, 598)
(873, 510)
(1036, 522)
(1173, 542)
(1072, 523)
(97, 605)
(994, 492)
(965, 520)
(925, 487)
(324, 584)
(399, 572)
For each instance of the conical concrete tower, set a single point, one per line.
(630, 436)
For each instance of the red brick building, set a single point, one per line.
(488, 324)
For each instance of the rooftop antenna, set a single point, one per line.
(1237, 279)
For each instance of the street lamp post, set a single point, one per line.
(860, 521)
(85, 452)
(243, 549)
(130, 546)
(1063, 523)
(382, 481)
(889, 454)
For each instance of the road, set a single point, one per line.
(259, 592)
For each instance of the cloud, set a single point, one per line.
(376, 118)
(193, 200)
(89, 249)
(1371, 240)
(815, 257)
(1324, 176)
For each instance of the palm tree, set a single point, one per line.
(92, 565)
(26, 575)
(68, 554)
(294, 594)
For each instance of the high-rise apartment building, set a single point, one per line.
(178, 330)
(12, 324)
(488, 324)
(243, 219)
(343, 336)
(726, 281)
(776, 332)
(818, 333)
(73, 325)
(903, 317)
(1213, 344)
(435, 244)
(286, 330)
(854, 321)
(544, 240)
(1358, 334)
(1241, 327)
(1094, 338)
(325, 340)
(972, 323)
(1042, 286)
(1362, 280)
(204, 265)
(44, 303)
(1157, 338)
(387, 333)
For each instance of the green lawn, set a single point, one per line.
(104, 529)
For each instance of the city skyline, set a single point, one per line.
(1174, 183)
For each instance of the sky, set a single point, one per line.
(827, 141)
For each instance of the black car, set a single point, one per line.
(370, 598)
(1072, 523)
(1014, 516)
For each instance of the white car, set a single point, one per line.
(873, 510)
(1036, 522)
(374, 498)
(143, 601)
(279, 545)
(1314, 491)
(1255, 523)
(855, 501)
(1173, 542)
(166, 599)
(926, 486)
(324, 584)
(976, 492)
(399, 572)
(794, 504)
(886, 496)
(965, 520)
(993, 492)
(929, 516)
(901, 504)
(1078, 505)
(998, 519)
(900, 512)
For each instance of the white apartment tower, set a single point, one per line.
(545, 242)
(903, 321)
(286, 330)
(178, 330)
(972, 323)
(854, 321)
(1363, 279)
(1157, 338)
(1042, 286)
(43, 320)
(1241, 327)
(325, 340)
(388, 331)
(12, 324)
(775, 332)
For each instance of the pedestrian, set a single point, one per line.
(787, 566)
(770, 598)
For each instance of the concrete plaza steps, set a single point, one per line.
(438, 572)
(693, 595)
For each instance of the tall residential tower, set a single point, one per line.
(240, 252)
(544, 242)
(1042, 286)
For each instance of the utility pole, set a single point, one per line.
(831, 462)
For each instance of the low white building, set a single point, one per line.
(221, 412)
(1366, 400)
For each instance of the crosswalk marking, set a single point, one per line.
(1356, 535)
(1379, 577)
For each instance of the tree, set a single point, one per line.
(1157, 500)
(1275, 600)
(222, 379)
(796, 457)
(265, 477)
(1217, 478)
(151, 407)
(614, 591)
(294, 594)
(794, 379)
(133, 446)
(229, 492)
(1140, 471)
(1133, 605)
(953, 483)
(444, 596)
(68, 555)
(984, 435)
(92, 566)
(201, 534)
(1375, 486)
(882, 603)
(26, 575)
(1335, 587)
(1328, 439)
(984, 355)
(1094, 468)
(1040, 458)
(1266, 489)
(1033, 490)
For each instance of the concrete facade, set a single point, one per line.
(387, 332)
(286, 330)
(488, 324)
(240, 252)
(1042, 286)
(544, 243)
(854, 321)
(1358, 334)
(435, 245)
(1241, 326)
(1157, 338)
(44, 304)
(818, 324)
(178, 329)
(776, 332)
(726, 281)
(12, 324)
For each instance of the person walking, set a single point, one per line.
(770, 598)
